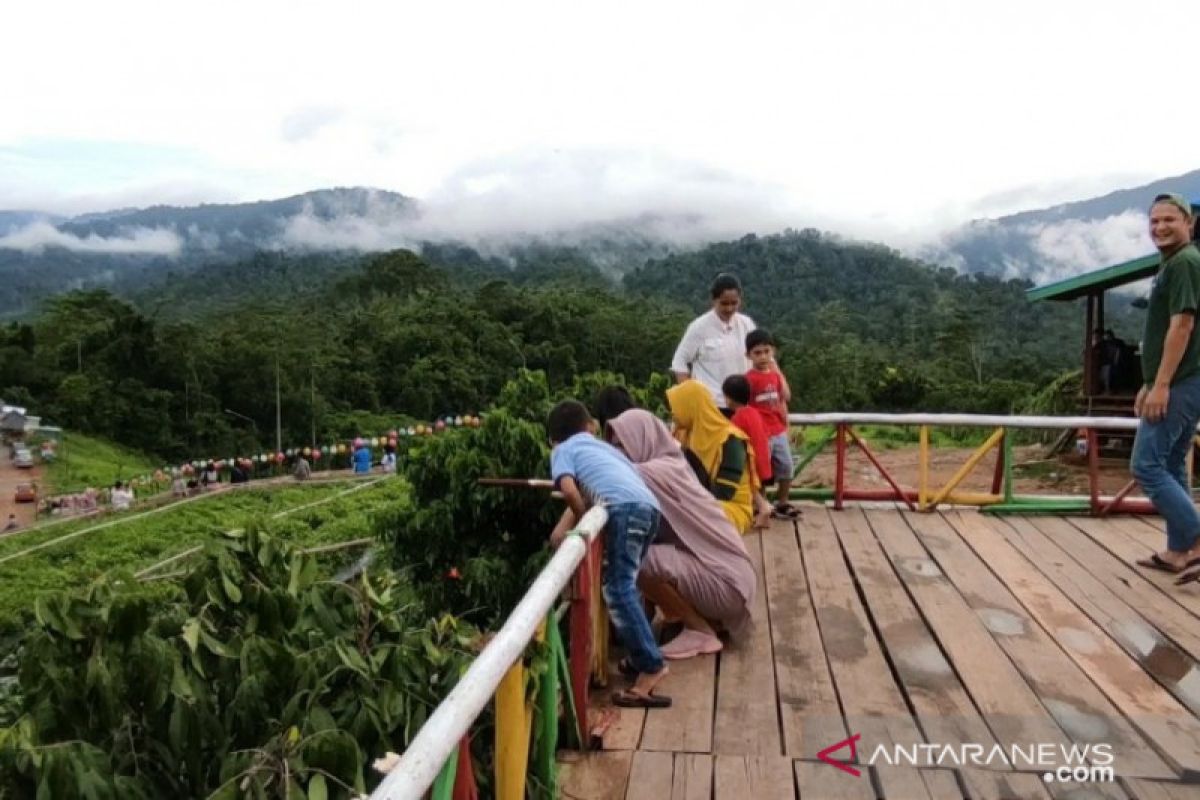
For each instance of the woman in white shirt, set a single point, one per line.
(714, 345)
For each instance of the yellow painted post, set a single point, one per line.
(923, 481)
(966, 468)
(514, 719)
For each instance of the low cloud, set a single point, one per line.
(39, 236)
(562, 197)
(1086, 245)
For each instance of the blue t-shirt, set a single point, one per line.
(362, 460)
(602, 471)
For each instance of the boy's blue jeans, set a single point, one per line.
(630, 530)
(1159, 463)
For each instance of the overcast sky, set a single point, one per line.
(853, 116)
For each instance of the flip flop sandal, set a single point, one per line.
(1157, 562)
(628, 698)
(785, 511)
(1188, 577)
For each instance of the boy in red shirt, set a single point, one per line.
(769, 393)
(737, 397)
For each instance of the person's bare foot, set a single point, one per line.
(646, 681)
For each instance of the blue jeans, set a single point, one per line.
(627, 537)
(1159, 463)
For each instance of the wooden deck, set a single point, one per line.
(946, 629)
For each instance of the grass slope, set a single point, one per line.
(84, 461)
(140, 541)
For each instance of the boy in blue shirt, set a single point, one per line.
(588, 471)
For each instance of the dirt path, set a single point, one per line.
(1034, 473)
(10, 476)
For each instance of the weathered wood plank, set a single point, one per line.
(746, 719)
(873, 703)
(1133, 633)
(687, 726)
(752, 777)
(818, 781)
(903, 783)
(598, 775)
(945, 710)
(1012, 710)
(985, 784)
(626, 730)
(941, 783)
(1154, 712)
(693, 777)
(1161, 790)
(808, 707)
(1108, 534)
(1127, 582)
(1086, 791)
(651, 776)
(1064, 689)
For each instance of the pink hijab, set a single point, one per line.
(693, 513)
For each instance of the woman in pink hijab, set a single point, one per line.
(697, 570)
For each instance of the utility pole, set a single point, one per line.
(79, 355)
(278, 411)
(312, 400)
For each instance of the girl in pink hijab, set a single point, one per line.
(697, 570)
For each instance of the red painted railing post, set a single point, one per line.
(1093, 457)
(839, 486)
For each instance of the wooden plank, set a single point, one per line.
(687, 726)
(1153, 711)
(594, 776)
(1064, 689)
(873, 704)
(746, 719)
(1161, 790)
(943, 707)
(1147, 790)
(819, 781)
(904, 783)
(1156, 607)
(941, 783)
(624, 732)
(1177, 671)
(693, 777)
(752, 777)
(1086, 791)
(1107, 533)
(1012, 710)
(985, 784)
(809, 713)
(626, 729)
(651, 776)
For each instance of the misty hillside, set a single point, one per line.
(188, 255)
(1067, 239)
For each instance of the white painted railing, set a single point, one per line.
(439, 736)
(981, 420)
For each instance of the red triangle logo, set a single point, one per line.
(842, 765)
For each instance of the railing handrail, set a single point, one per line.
(982, 420)
(439, 736)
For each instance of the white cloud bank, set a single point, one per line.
(38, 236)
